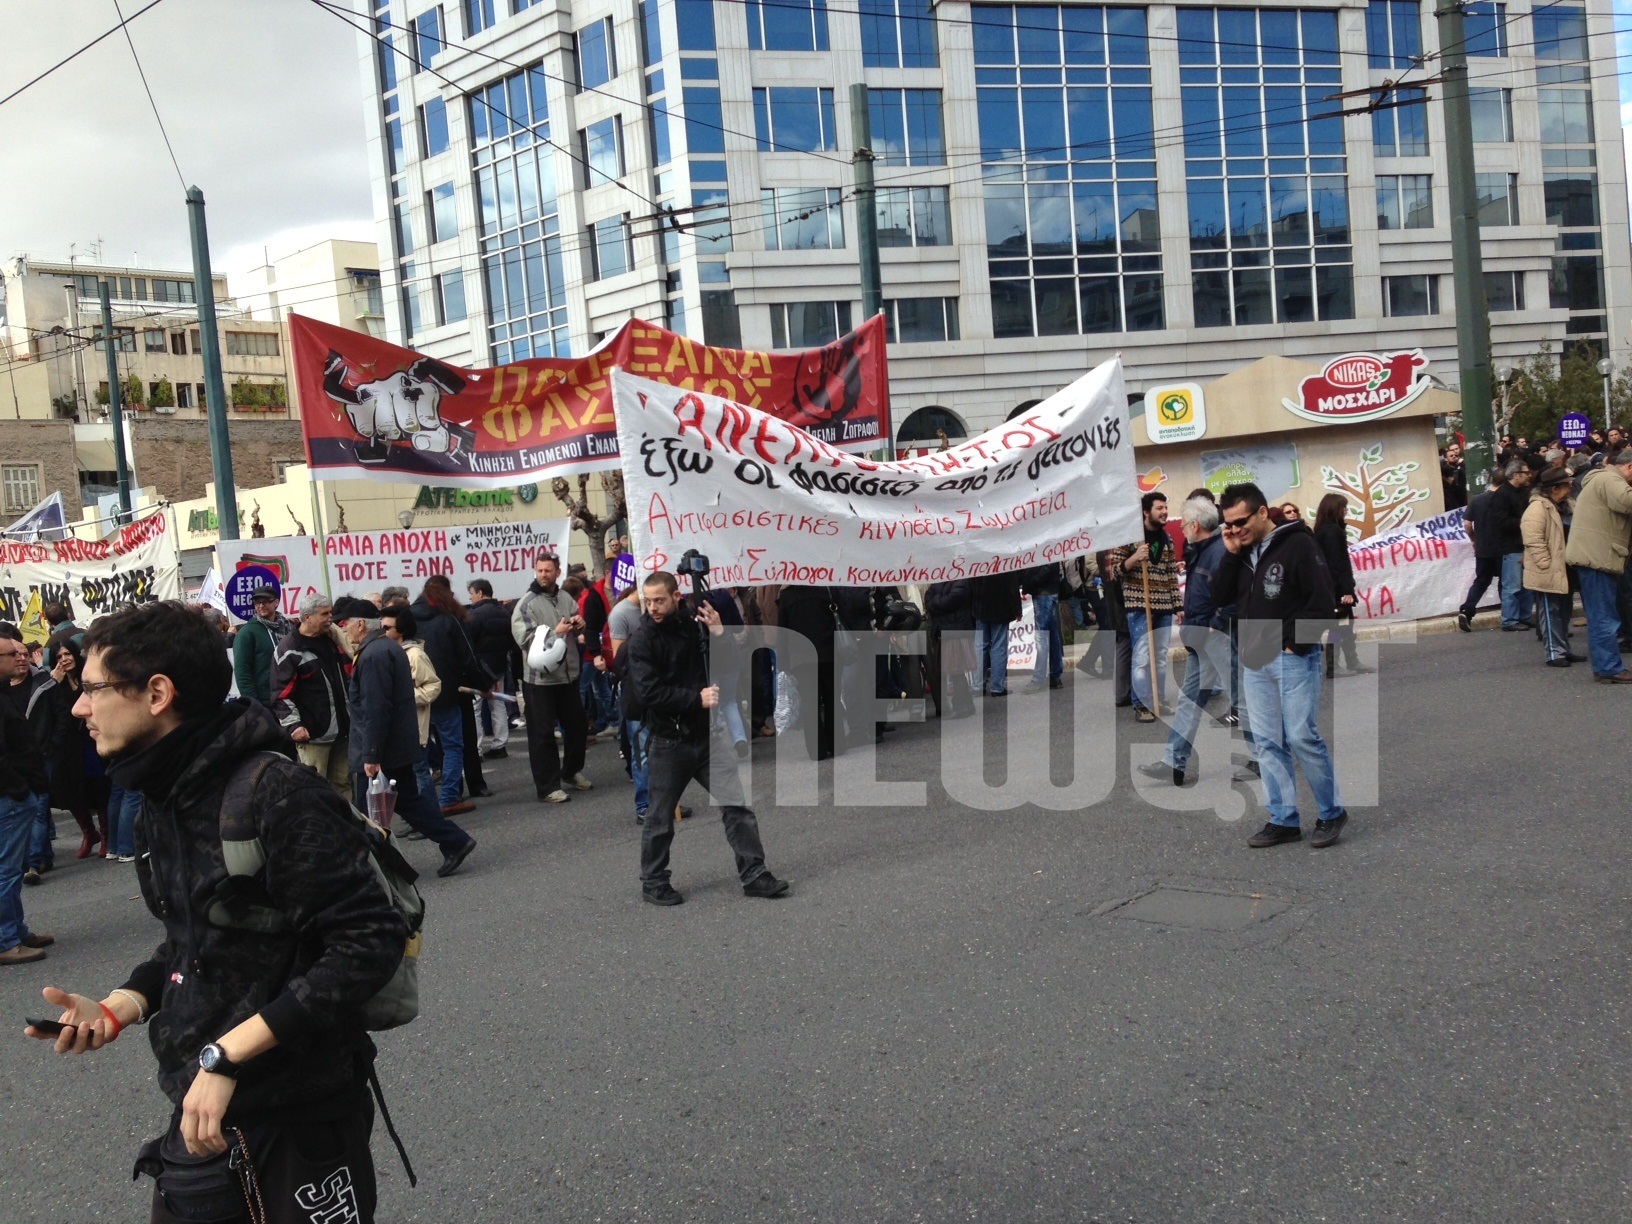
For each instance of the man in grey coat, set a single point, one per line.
(550, 695)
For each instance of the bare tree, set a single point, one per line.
(594, 526)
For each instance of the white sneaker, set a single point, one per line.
(579, 782)
(124, 858)
(557, 796)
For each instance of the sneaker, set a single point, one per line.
(1328, 831)
(450, 862)
(661, 894)
(1143, 715)
(1161, 771)
(35, 940)
(123, 858)
(1004, 693)
(20, 955)
(1228, 719)
(555, 796)
(741, 749)
(578, 782)
(640, 818)
(1035, 687)
(1358, 669)
(766, 885)
(494, 754)
(1275, 835)
(1464, 622)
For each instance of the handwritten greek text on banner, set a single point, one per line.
(139, 564)
(372, 409)
(767, 503)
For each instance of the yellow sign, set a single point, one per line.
(1175, 413)
(33, 627)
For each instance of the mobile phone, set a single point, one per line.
(50, 1028)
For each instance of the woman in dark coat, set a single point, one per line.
(78, 783)
(812, 613)
(1332, 534)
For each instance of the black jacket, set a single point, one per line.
(1284, 601)
(948, 605)
(489, 630)
(22, 765)
(665, 666)
(451, 654)
(995, 599)
(345, 939)
(807, 611)
(1333, 539)
(1042, 579)
(384, 723)
(1206, 607)
(1503, 511)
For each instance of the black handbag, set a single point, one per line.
(202, 1189)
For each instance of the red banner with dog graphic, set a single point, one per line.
(375, 410)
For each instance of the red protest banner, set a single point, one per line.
(374, 410)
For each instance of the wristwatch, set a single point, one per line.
(213, 1058)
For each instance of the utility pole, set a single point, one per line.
(115, 402)
(861, 135)
(215, 389)
(1472, 312)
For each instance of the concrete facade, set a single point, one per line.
(36, 460)
(333, 281)
(1558, 114)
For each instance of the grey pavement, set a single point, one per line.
(1116, 1014)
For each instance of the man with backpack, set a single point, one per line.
(279, 932)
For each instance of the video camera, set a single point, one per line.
(694, 565)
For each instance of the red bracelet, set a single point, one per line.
(112, 1019)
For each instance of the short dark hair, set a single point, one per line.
(56, 613)
(1245, 493)
(1204, 492)
(481, 586)
(171, 639)
(663, 579)
(9, 632)
(1149, 500)
(545, 554)
(404, 617)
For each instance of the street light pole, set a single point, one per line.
(1604, 367)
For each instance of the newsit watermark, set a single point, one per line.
(1058, 750)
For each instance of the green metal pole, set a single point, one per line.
(215, 390)
(115, 404)
(861, 132)
(1467, 267)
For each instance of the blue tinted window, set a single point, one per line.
(433, 122)
(704, 122)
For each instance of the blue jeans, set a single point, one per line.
(992, 648)
(123, 808)
(1516, 602)
(1283, 701)
(1050, 642)
(595, 691)
(1192, 698)
(450, 730)
(1161, 624)
(16, 824)
(40, 853)
(640, 746)
(1598, 591)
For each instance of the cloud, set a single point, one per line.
(263, 103)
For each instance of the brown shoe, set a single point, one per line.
(35, 940)
(20, 955)
(458, 809)
(1620, 677)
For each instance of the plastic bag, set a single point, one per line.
(786, 716)
(382, 800)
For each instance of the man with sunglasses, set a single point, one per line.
(1284, 600)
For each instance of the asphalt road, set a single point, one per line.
(953, 1018)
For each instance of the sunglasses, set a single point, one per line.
(1239, 524)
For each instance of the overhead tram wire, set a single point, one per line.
(148, 89)
(30, 83)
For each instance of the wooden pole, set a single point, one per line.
(1150, 639)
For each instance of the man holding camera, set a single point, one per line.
(550, 695)
(666, 667)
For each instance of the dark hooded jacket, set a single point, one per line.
(948, 605)
(489, 629)
(451, 654)
(995, 598)
(665, 666)
(384, 722)
(1284, 599)
(344, 938)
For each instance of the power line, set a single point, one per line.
(75, 55)
(149, 91)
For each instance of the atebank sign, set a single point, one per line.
(1360, 387)
(444, 497)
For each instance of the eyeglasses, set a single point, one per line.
(94, 687)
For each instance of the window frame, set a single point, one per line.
(1430, 293)
(20, 497)
(608, 44)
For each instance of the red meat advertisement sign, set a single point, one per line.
(1360, 387)
(375, 410)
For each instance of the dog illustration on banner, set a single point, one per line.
(402, 407)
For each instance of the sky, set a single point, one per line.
(263, 100)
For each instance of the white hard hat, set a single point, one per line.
(542, 655)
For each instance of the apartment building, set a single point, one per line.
(334, 281)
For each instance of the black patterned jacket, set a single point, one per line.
(343, 940)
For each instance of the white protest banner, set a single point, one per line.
(362, 562)
(767, 503)
(293, 560)
(137, 564)
(1023, 638)
(1420, 570)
